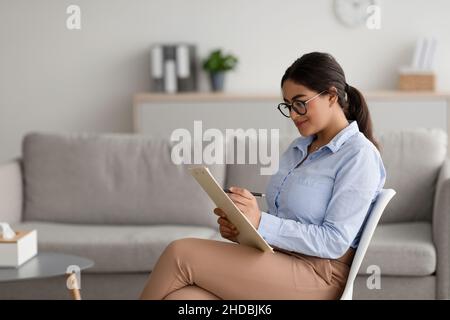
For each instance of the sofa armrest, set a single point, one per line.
(441, 231)
(11, 194)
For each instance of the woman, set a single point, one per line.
(318, 200)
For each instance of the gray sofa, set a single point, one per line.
(119, 200)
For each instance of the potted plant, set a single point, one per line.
(216, 64)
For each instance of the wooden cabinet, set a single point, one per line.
(160, 114)
(403, 110)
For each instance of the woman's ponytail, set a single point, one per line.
(358, 110)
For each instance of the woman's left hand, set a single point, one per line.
(246, 202)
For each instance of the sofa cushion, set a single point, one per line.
(111, 179)
(412, 159)
(114, 248)
(402, 249)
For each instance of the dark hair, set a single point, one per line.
(319, 71)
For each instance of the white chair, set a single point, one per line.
(380, 204)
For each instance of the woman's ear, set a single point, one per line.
(333, 95)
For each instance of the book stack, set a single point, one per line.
(173, 68)
(420, 75)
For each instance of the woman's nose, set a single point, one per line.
(294, 115)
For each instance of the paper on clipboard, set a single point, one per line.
(248, 235)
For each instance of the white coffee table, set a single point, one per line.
(49, 264)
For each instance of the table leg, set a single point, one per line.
(72, 285)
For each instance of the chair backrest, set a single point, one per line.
(377, 210)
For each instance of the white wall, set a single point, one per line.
(54, 79)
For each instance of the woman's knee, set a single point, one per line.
(191, 292)
(180, 246)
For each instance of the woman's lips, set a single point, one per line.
(299, 123)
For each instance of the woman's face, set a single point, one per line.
(318, 109)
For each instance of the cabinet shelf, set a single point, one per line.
(160, 113)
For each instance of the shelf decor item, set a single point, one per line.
(174, 67)
(217, 64)
(417, 81)
(420, 75)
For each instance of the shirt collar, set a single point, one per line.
(335, 144)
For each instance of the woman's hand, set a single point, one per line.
(226, 228)
(246, 202)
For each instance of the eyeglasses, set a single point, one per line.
(298, 106)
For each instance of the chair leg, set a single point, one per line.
(72, 285)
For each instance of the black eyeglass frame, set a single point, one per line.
(303, 104)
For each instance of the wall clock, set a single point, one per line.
(353, 13)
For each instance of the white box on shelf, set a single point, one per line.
(18, 250)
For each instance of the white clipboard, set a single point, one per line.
(248, 235)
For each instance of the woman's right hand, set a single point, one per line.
(226, 228)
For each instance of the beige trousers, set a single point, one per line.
(200, 269)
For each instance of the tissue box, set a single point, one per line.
(16, 251)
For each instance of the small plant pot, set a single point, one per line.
(217, 80)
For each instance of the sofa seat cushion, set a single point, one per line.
(402, 249)
(399, 249)
(113, 248)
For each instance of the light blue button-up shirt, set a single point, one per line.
(320, 207)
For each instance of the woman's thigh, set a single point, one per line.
(233, 271)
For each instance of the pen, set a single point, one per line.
(256, 194)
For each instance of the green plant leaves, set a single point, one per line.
(218, 62)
